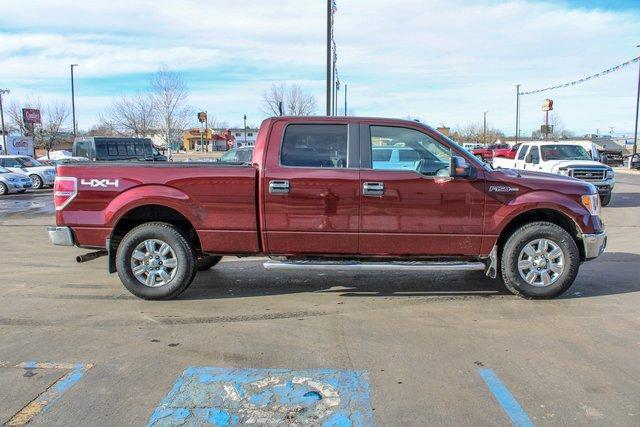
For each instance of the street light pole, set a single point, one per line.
(245, 130)
(517, 112)
(4, 137)
(484, 129)
(329, 89)
(345, 100)
(73, 103)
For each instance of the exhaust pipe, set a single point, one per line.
(90, 256)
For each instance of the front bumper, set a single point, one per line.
(61, 236)
(594, 244)
(19, 185)
(605, 187)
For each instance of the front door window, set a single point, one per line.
(396, 148)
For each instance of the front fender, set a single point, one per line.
(536, 200)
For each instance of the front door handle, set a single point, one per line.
(279, 187)
(374, 189)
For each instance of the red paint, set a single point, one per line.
(325, 212)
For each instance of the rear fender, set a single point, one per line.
(154, 195)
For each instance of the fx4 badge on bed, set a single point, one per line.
(502, 189)
(95, 183)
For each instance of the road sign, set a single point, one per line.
(202, 117)
(547, 105)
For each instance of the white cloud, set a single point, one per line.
(445, 61)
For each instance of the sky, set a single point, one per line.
(444, 61)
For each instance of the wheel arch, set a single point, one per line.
(553, 216)
(145, 213)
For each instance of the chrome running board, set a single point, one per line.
(375, 266)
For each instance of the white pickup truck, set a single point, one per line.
(562, 159)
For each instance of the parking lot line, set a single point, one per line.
(44, 401)
(506, 400)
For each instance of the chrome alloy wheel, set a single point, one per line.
(541, 262)
(154, 263)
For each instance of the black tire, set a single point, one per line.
(36, 181)
(185, 269)
(516, 243)
(3, 189)
(605, 200)
(208, 261)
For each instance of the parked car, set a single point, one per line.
(63, 161)
(40, 175)
(11, 182)
(237, 155)
(99, 148)
(406, 158)
(312, 198)
(487, 153)
(506, 152)
(563, 159)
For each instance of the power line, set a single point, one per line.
(585, 79)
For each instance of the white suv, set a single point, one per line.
(41, 175)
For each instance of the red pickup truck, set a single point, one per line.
(315, 196)
(487, 153)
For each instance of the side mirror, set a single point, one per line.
(527, 158)
(459, 168)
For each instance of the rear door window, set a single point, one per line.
(535, 155)
(315, 146)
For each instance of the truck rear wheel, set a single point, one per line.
(156, 261)
(539, 260)
(208, 261)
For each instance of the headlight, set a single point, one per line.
(564, 172)
(610, 174)
(592, 203)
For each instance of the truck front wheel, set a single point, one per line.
(156, 261)
(539, 260)
(605, 200)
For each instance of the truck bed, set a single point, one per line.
(218, 199)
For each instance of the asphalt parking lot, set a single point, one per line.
(413, 349)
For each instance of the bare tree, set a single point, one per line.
(169, 93)
(295, 100)
(131, 115)
(474, 132)
(49, 133)
(14, 114)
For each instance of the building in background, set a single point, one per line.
(218, 139)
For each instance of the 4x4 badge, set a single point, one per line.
(95, 183)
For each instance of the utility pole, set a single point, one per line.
(484, 129)
(245, 129)
(635, 132)
(345, 100)
(4, 136)
(73, 103)
(517, 112)
(329, 89)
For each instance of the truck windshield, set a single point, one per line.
(564, 152)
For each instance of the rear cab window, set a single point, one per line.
(315, 146)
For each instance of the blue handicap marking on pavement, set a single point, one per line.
(226, 397)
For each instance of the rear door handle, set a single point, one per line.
(373, 189)
(279, 187)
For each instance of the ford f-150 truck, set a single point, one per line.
(312, 197)
(560, 158)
